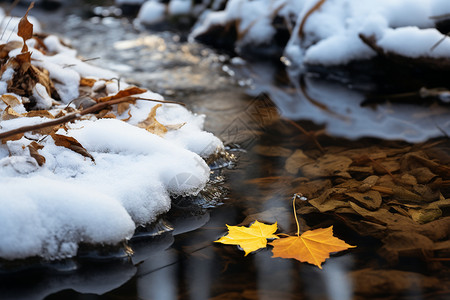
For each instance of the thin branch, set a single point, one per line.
(71, 117)
(439, 42)
(308, 13)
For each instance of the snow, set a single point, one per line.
(180, 7)
(330, 35)
(48, 210)
(414, 42)
(151, 12)
(43, 100)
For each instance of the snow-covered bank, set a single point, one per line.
(96, 179)
(324, 32)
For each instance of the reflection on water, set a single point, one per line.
(355, 105)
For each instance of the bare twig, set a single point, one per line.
(439, 42)
(8, 14)
(71, 117)
(308, 13)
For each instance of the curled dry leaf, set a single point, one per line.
(9, 113)
(33, 147)
(11, 100)
(151, 124)
(25, 29)
(5, 48)
(123, 93)
(72, 144)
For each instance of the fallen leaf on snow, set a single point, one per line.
(151, 124)
(33, 147)
(123, 93)
(9, 113)
(11, 100)
(71, 143)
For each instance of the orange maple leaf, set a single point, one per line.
(249, 238)
(313, 246)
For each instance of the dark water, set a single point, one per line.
(184, 263)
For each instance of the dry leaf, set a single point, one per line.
(9, 113)
(25, 29)
(5, 48)
(370, 199)
(249, 238)
(109, 115)
(122, 107)
(313, 246)
(40, 113)
(297, 160)
(87, 82)
(14, 137)
(33, 148)
(123, 93)
(327, 166)
(151, 124)
(71, 143)
(426, 214)
(11, 100)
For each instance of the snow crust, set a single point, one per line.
(48, 210)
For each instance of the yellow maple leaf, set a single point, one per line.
(313, 246)
(249, 238)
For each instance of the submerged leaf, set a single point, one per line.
(249, 238)
(313, 246)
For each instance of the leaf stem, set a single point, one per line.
(295, 213)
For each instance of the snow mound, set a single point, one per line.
(95, 179)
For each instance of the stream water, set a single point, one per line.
(239, 100)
